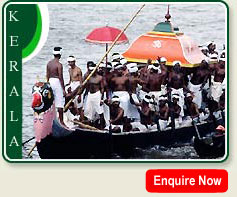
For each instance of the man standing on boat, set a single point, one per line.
(94, 101)
(120, 87)
(176, 84)
(143, 75)
(75, 80)
(154, 84)
(198, 80)
(55, 78)
(217, 80)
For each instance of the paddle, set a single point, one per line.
(155, 104)
(81, 87)
(31, 150)
(27, 141)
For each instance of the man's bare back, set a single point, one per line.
(53, 69)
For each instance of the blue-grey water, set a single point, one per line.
(71, 23)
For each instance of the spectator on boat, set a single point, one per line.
(217, 80)
(163, 113)
(154, 83)
(55, 78)
(75, 80)
(95, 97)
(198, 80)
(143, 76)
(116, 114)
(176, 84)
(120, 86)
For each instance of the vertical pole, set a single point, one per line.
(106, 58)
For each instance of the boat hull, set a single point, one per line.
(213, 150)
(87, 144)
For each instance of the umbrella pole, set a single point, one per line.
(106, 58)
(80, 87)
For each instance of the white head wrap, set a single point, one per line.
(176, 62)
(175, 96)
(91, 68)
(188, 95)
(118, 66)
(71, 59)
(123, 61)
(102, 65)
(163, 59)
(130, 65)
(133, 69)
(115, 99)
(146, 99)
(56, 52)
(162, 98)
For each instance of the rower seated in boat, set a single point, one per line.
(176, 110)
(145, 111)
(163, 113)
(116, 114)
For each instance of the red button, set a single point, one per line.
(187, 181)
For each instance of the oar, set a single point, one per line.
(84, 125)
(155, 104)
(27, 141)
(98, 64)
(31, 150)
(196, 129)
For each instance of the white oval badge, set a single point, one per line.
(156, 44)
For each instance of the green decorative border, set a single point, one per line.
(34, 43)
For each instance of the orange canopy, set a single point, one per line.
(172, 46)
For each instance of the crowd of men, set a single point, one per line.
(124, 96)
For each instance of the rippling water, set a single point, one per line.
(71, 23)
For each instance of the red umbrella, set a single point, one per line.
(106, 35)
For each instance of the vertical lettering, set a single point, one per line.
(14, 40)
(13, 65)
(14, 91)
(14, 141)
(12, 117)
(12, 16)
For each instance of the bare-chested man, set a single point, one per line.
(198, 80)
(154, 84)
(176, 83)
(164, 74)
(176, 110)
(133, 84)
(143, 75)
(163, 112)
(146, 115)
(116, 114)
(75, 80)
(120, 87)
(55, 78)
(94, 101)
(219, 76)
(192, 107)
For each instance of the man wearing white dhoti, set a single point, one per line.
(55, 78)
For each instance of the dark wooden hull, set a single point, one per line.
(87, 144)
(213, 150)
